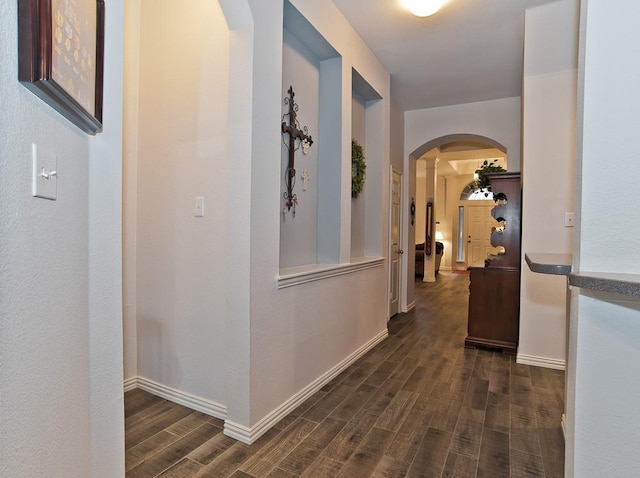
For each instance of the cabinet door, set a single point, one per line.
(494, 305)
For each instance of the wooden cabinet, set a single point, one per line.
(494, 306)
(494, 292)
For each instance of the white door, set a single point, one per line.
(479, 225)
(395, 252)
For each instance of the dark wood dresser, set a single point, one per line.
(494, 293)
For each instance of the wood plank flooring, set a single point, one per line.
(418, 405)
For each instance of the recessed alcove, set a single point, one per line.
(312, 67)
(329, 229)
(366, 129)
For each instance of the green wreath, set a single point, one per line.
(358, 168)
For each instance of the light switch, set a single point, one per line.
(568, 219)
(45, 173)
(199, 211)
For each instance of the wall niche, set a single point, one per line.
(312, 67)
(366, 130)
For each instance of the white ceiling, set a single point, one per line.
(469, 51)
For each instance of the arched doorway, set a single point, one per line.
(444, 169)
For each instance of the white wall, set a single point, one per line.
(603, 395)
(314, 325)
(182, 127)
(358, 121)
(105, 264)
(130, 186)
(194, 333)
(358, 132)
(61, 341)
(548, 174)
(301, 69)
(497, 119)
(397, 136)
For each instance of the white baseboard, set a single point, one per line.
(410, 306)
(541, 361)
(248, 435)
(244, 434)
(188, 400)
(130, 384)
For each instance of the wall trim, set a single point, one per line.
(188, 400)
(249, 435)
(130, 384)
(545, 362)
(301, 275)
(410, 306)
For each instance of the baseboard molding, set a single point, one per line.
(188, 400)
(541, 361)
(249, 435)
(130, 384)
(410, 306)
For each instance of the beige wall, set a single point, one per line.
(207, 307)
(548, 174)
(177, 151)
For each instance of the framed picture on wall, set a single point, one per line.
(61, 57)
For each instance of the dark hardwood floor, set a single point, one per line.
(418, 405)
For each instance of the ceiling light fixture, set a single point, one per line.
(424, 8)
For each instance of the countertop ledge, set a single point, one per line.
(549, 263)
(622, 284)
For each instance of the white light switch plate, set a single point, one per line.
(568, 219)
(45, 173)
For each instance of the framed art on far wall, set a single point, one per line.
(61, 56)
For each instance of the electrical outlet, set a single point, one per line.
(568, 219)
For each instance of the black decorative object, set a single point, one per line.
(297, 137)
(413, 211)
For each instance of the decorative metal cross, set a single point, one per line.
(295, 133)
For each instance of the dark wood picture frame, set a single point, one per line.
(38, 58)
(429, 229)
